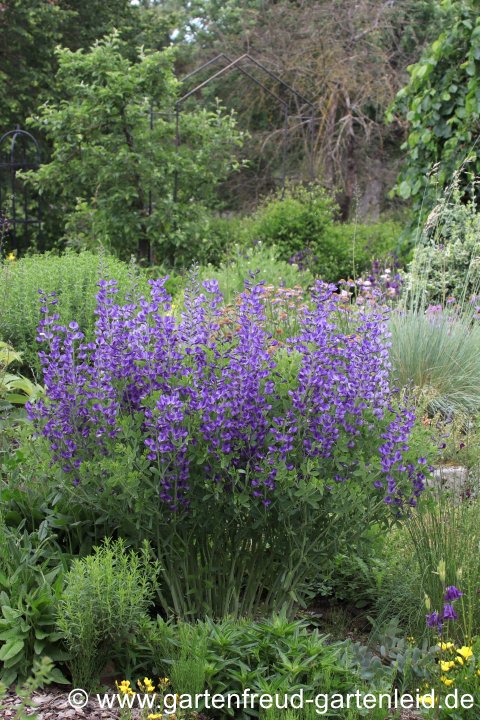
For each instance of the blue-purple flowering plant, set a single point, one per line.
(244, 460)
(441, 621)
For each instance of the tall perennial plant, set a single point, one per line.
(242, 458)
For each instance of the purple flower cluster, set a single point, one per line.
(435, 619)
(215, 405)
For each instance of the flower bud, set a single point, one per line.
(442, 571)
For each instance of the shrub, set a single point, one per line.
(302, 227)
(114, 153)
(73, 277)
(296, 223)
(357, 245)
(220, 444)
(105, 600)
(221, 234)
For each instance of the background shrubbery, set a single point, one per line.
(303, 229)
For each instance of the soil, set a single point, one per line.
(52, 704)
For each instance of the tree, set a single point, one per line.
(116, 171)
(440, 106)
(348, 61)
(31, 29)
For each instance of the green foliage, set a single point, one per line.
(108, 164)
(206, 563)
(441, 104)
(14, 389)
(105, 599)
(73, 276)
(92, 19)
(30, 586)
(270, 656)
(355, 571)
(222, 235)
(179, 651)
(441, 529)
(446, 261)
(30, 492)
(206, 555)
(301, 228)
(462, 677)
(435, 332)
(308, 713)
(357, 245)
(298, 223)
(409, 659)
(261, 263)
(30, 30)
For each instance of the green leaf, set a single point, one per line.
(10, 649)
(57, 676)
(10, 614)
(404, 190)
(12, 634)
(8, 676)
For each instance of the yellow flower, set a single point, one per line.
(446, 646)
(164, 682)
(459, 660)
(124, 687)
(446, 666)
(155, 716)
(426, 700)
(465, 651)
(411, 639)
(446, 681)
(478, 672)
(147, 685)
(11, 257)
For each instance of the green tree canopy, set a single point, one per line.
(113, 171)
(31, 29)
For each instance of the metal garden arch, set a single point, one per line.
(239, 65)
(19, 151)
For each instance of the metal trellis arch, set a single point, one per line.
(238, 64)
(19, 211)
